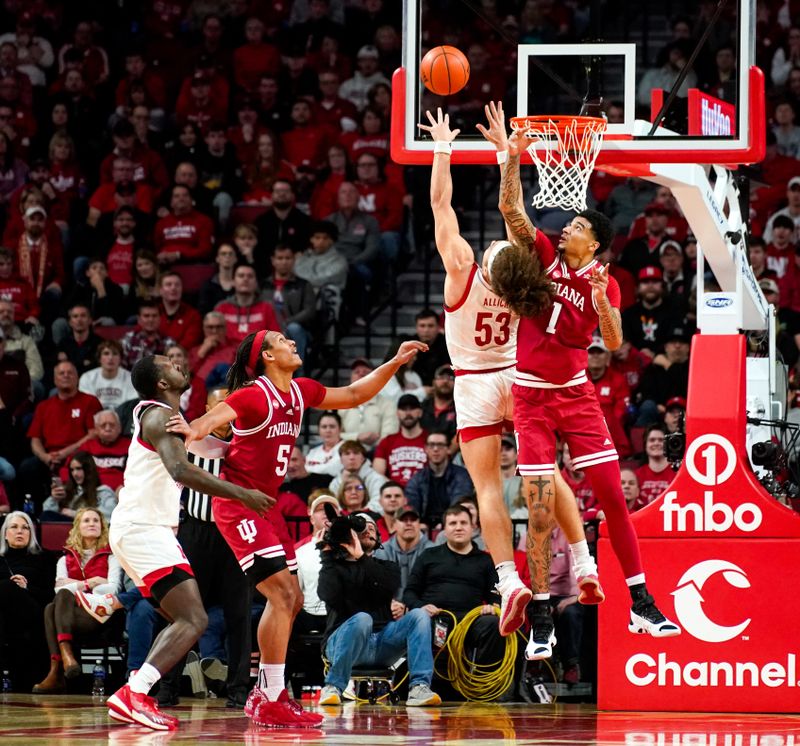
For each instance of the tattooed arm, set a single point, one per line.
(610, 320)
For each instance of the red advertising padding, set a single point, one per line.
(717, 550)
(710, 116)
(739, 650)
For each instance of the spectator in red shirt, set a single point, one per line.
(215, 347)
(138, 73)
(199, 106)
(179, 320)
(331, 110)
(631, 363)
(61, 425)
(780, 250)
(185, 235)
(612, 393)
(256, 57)
(17, 291)
(148, 167)
(656, 475)
(243, 312)
(109, 448)
(264, 169)
(305, 142)
(122, 190)
(401, 455)
(371, 137)
(382, 201)
(65, 179)
(757, 251)
(337, 170)
(120, 256)
(245, 134)
(630, 488)
(94, 58)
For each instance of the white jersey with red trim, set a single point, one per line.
(480, 330)
(149, 495)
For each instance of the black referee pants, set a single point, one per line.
(222, 583)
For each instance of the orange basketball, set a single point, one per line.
(444, 70)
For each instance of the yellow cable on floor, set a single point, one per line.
(475, 681)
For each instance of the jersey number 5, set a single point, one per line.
(283, 460)
(486, 323)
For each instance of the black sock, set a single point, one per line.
(638, 592)
(540, 608)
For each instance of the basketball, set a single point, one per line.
(444, 70)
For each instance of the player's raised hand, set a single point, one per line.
(408, 350)
(439, 127)
(495, 133)
(598, 279)
(518, 140)
(257, 501)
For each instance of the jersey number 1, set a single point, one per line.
(485, 325)
(551, 325)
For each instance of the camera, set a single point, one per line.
(675, 444)
(338, 534)
(766, 454)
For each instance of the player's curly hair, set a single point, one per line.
(519, 279)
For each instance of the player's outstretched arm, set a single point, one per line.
(199, 428)
(173, 455)
(511, 203)
(609, 318)
(456, 253)
(347, 397)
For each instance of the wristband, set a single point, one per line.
(502, 157)
(445, 148)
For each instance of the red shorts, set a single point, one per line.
(575, 413)
(250, 535)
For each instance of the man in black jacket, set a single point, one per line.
(358, 590)
(457, 577)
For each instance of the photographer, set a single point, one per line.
(358, 590)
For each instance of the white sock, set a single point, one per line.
(580, 552)
(541, 596)
(144, 679)
(270, 679)
(635, 580)
(507, 574)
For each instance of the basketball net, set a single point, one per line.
(565, 163)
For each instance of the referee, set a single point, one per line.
(221, 580)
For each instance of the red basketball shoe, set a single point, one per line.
(128, 706)
(512, 608)
(591, 592)
(283, 713)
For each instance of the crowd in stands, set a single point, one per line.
(175, 176)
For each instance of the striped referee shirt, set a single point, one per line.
(207, 454)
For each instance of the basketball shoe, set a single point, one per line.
(515, 596)
(590, 592)
(543, 638)
(131, 707)
(284, 713)
(646, 619)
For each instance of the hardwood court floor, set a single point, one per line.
(29, 720)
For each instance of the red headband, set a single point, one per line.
(255, 349)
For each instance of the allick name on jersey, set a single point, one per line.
(283, 428)
(494, 303)
(570, 294)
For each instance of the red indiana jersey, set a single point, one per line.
(551, 347)
(265, 430)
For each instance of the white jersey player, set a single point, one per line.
(142, 534)
(481, 339)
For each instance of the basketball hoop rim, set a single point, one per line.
(561, 122)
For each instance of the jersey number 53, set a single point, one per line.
(492, 328)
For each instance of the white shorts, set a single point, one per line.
(484, 405)
(146, 553)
